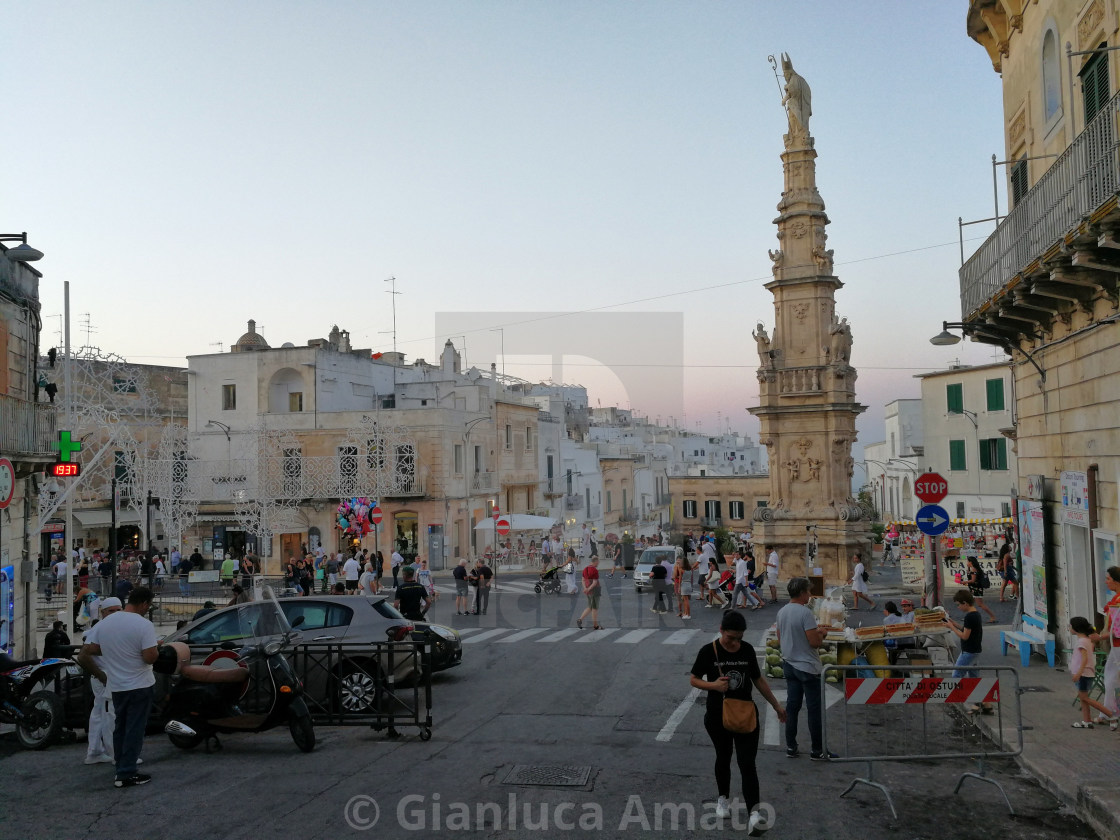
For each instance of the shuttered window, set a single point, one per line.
(995, 394)
(1020, 181)
(954, 398)
(993, 454)
(957, 460)
(1094, 85)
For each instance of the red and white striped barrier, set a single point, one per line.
(921, 690)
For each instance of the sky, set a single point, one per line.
(517, 167)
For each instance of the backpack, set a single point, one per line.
(983, 580)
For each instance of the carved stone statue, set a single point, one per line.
(794, 467)
(814, 469)
(841, 342)
(763, 342)
(776, 258)
(798, 99)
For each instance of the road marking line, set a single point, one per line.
(467, 630)
(596, 635)
(634, 636)
(680, 637)
(523, 634)
(560, 634)
(489, 634)
(675, 719)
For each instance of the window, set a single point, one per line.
(509, 436)
(406, 464)
(347, 470)
(458, 459)
(735, 510)
(712, 508)
(317, 615)
(389, 401)
(229, 397)
(957, 461)
(954, 398)
(994, 389)
(1051, 76)
(295, 401)
(528, 437)
(993, 454)
(292, 470)
(689, 511)
(960, 510)
(1005, 509)
(1020, 180)
(375, 454)
(123, 386)
(568, 481)
(609, 508)
(1094, 84)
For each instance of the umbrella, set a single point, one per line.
(518, 522)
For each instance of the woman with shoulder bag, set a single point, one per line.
(726, 669)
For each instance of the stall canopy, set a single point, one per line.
(1006, 520)
(518, 522)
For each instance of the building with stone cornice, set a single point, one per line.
(1044, 285)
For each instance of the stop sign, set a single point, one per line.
(375, 515)
(503, 526)
(931, 488)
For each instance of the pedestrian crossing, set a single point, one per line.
(614, 635)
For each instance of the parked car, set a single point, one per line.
(646, 562)
(346, 619)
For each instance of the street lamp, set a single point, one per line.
(988, 334)
(466, 474)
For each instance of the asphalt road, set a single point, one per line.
(610, 712)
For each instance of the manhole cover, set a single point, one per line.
(1034, 688)
(547, 775)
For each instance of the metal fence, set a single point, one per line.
(899, 703)
(1082, 178)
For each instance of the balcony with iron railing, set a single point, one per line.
(1081, 181)
(28, 429)
(628, 515)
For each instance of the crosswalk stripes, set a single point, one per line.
(680, 637)
(560, 634)
(523, 634)
(489, 634)
(596, 635)
(634, 636)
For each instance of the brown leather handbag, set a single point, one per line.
(738, 715)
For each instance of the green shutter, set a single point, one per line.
(1094, 85)
(995, 395)
(986, 454)
(1001, 454)
(956, 455)
(954, 398)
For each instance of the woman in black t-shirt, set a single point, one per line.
(727, 668)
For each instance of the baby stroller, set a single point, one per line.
(549, 581)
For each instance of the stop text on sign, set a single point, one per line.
(931, 488)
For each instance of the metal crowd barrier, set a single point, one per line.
(900, 703)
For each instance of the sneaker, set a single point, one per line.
(654, 609)
(133, 780)
(791, 752)
(723, 807)
(104, 758)
(1082, 724)
(686, 618)
(822, 756)
(754, 822)
(579, 623)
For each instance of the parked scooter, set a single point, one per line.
(39, 716)
(250, 691)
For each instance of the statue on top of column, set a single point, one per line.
(798, 100)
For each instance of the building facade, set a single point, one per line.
(1044, 286)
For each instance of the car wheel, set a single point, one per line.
(358, 686)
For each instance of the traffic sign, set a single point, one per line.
(7, 482)
(502, 526)
(931, 488)
(375, 515)
(932, 520)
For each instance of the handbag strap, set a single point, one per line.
(715, 652)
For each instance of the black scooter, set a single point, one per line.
(252, 691)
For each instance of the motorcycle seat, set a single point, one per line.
(212, 674)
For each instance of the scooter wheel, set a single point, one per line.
(537, 588)
(186, 742)
(303, 732)
(41, 723)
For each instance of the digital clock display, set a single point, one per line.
(66, 470)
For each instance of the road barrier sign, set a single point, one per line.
(921, 690)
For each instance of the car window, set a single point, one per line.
(229, 625)
(316, 614)
(388, 610)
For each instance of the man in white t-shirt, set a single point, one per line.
(126, 644)
(772, 574)
(351, 571)
(60, 569)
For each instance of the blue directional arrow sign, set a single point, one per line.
(932, 520)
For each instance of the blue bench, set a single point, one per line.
(1033, 632)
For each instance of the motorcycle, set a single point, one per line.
(252, 690)
(39, 716)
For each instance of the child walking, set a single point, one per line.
(1082, 668)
